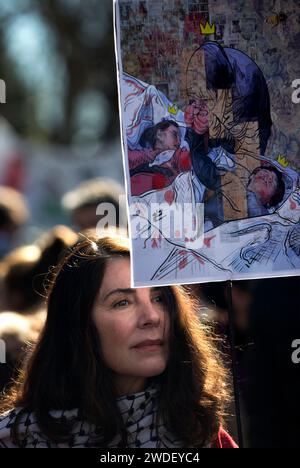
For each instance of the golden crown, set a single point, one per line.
(173, 110)
(208, 28)
(282, 161)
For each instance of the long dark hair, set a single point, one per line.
(66, 369)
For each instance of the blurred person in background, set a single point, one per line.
(83, 201)
(23, 271)
(215, 296)
(13, 216)
(23, 274)
(17, 332)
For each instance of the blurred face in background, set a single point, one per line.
(133, 325)
(85, 217)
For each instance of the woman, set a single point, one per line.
(115, 366)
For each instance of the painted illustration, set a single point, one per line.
(212, 165)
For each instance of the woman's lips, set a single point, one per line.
(149, 345)
(148, 348)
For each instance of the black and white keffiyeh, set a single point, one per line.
(139, 413)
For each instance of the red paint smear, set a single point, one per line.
(185, 161)
(169, 196)
(199, 259)
(183, 262)
(207, 241)
(293, 205)
(154, 244)
(159, 181)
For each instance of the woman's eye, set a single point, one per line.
(158, 299)
(122, 303)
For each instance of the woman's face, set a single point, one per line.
(133, 325)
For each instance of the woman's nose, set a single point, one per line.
(149, 315)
